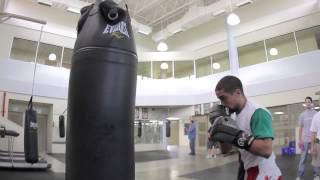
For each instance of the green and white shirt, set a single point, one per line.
(257, 121)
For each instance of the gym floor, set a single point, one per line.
(162, 165)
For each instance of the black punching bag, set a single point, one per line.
(61, 126)
(31, 134)
(101, 99)
(139, 129)
(168, 129)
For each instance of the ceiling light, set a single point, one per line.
(233, 19)
(177, 30)
(172, 118)
(164, 66)
(273, 51)
(162, 46)
(317, 107)
(278, 113)
(216, 66)
(52, 57)
(143, 29)
(220, 12)
(73, 10)
(45, 2)
(243, 3)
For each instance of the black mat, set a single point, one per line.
(10, 174)
(144, 156)
(288, 166)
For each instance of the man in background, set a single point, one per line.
(192, 137)
(305, 120)
(315, 142)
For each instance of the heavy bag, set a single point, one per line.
(101, 99)
(168, 129)
(61, 126)
(31, 135)
(139, 129)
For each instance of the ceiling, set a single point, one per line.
(159, 13)
(156, 14)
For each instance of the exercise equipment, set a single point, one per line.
(62, 132)
(101, 100)
(139, 129)
(31, 134)
(11, 159)
(168, 128)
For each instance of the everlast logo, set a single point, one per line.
(117, 30)
(33, 125)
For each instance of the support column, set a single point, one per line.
(233, 51)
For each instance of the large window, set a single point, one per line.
(24, 50)
(67, 56)
(285, 120)
(281, 46)
(203, 67)
(144, 69)
(220, 62)
(162, 69)
(49, 54)
(308, 39)
(252, 54)
(183, 69)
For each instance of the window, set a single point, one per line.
(252, 54)
(203, 67)
(281, 46)
(67, 56)
(49, 55)
(144, 69)
(308, 39)
(220, 62)
(23, 50)
(183, 69)
(162, 69)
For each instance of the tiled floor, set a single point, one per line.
(166, 166)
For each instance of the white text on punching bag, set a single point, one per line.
(120, 27)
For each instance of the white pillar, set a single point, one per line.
(233, 51)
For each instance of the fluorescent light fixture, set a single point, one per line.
(317, 107)
(278, 113)
(233, 19)
(52, 57)
(220, 12)
(216, 66)
(273, 51)
(177, 30)
(162, 46)
(73, 10)
(164, 66)
(143, 29)
(45, 2)
(243, 3)
(172, 118)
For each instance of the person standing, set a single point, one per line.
(305, 120)
(192, 137)
(315, 141)
(252, 132)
